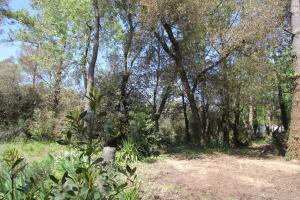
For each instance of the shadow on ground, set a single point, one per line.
(265, 151)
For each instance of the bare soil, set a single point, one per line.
(221, 176)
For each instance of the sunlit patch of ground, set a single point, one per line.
(221, 176)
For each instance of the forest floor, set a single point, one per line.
(240, 174)
(196, 174)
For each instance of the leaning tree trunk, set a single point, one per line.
(196, 123)
(294, 135)
(91, 69)
(158, 112)
(176, 54)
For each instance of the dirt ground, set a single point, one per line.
(221, 176)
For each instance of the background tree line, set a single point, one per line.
(209, 73)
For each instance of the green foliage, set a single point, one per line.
(65, 177)
(91, 179)
(16, 166)
(129, 153)
(170, 132)
(17, 101)
(79, 176)
(142, 133)
(43, 124)
(286, 75)
(81, 131)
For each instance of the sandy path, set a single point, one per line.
(222, 177)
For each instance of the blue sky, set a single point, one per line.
(11, 49)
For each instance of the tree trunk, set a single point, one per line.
(84, 60)
(91, 69)
(225, 129)
(123, 105)
(57, 86)
(283, 109)
(250, 119)
(237, 116)
(58, 81)
(236, 139)
(157, 112)
(192, 101)
(204, 111)
(186, 120)
(294, 135)
(185, 81)
(226, 109)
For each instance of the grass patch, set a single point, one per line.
(190, 152)
(258, 142)
(35, 150)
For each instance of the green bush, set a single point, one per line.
(82, 175)
(129, 152)
(142, 133)
(62, 177)
(43, 124)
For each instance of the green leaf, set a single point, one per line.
(63, 142)
(69, 135)
(99, 160)
(54, 179)
(82, 115)
(122, 186)
(128, 169)
(18, 170)
(80, 170)
(64, 178)
(17, 162)
(71, 193)
(133, 171)
(70, 117)
(32, 180)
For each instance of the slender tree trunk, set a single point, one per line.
(226, 109)
(155, 91)
(204, 111)
(84, 60)
(176, 55)
(225, 129)
(91, 69)
(250, 119)
(237, 115)
(124, 107)
(186, 120)
(226, 141)
(158, 112)
(283, 109)
(294, 135)
(57, 86)
(226, 101)
(190, 96)
(269, 122)
(255, 123)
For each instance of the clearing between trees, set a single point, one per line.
(222, 176)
